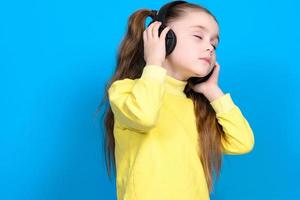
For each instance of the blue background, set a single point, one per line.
(56, 56)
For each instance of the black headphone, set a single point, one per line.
(161, 16)
(171, 37)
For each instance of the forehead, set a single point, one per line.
(197, 20)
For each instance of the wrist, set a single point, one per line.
(213, 93)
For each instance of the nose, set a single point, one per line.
(210, 48)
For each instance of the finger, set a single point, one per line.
(164, 32)
(217, 70)
(217, 66)
(155, 30)
(145, 35)
(149, 30)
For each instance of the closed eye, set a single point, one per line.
(201, 39)
(198, 36)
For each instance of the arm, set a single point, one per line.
(136, 103)
(240, 138)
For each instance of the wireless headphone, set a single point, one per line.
(171, 37)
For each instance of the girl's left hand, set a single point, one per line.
(210, 84)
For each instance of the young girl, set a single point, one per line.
(165, 135)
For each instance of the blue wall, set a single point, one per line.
(55, 57)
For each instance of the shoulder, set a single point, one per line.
(123, 82)
(120, 85)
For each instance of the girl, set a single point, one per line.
(165, 135)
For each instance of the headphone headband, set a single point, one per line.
(161, 14)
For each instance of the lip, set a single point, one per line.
(206, 59)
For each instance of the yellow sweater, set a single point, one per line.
(156, 137)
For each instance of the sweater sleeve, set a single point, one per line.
(239, 135)
(136, 103)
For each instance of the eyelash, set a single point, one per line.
(201, 38)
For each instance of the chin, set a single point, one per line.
(201, 71)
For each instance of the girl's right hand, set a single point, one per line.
(154, 45)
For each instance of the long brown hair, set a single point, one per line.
(130, 64)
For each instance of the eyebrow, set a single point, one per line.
(204, 28)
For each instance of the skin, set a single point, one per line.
(184, 61)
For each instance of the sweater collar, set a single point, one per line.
(175, 86)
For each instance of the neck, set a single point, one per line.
(175, 86)
(173, 71)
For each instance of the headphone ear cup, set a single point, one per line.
(170, 39)
(196, 80)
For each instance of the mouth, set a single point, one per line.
(207, 60)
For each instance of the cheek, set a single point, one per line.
(214, 58)
(188, 51)
(182, 50)
(186, 44)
